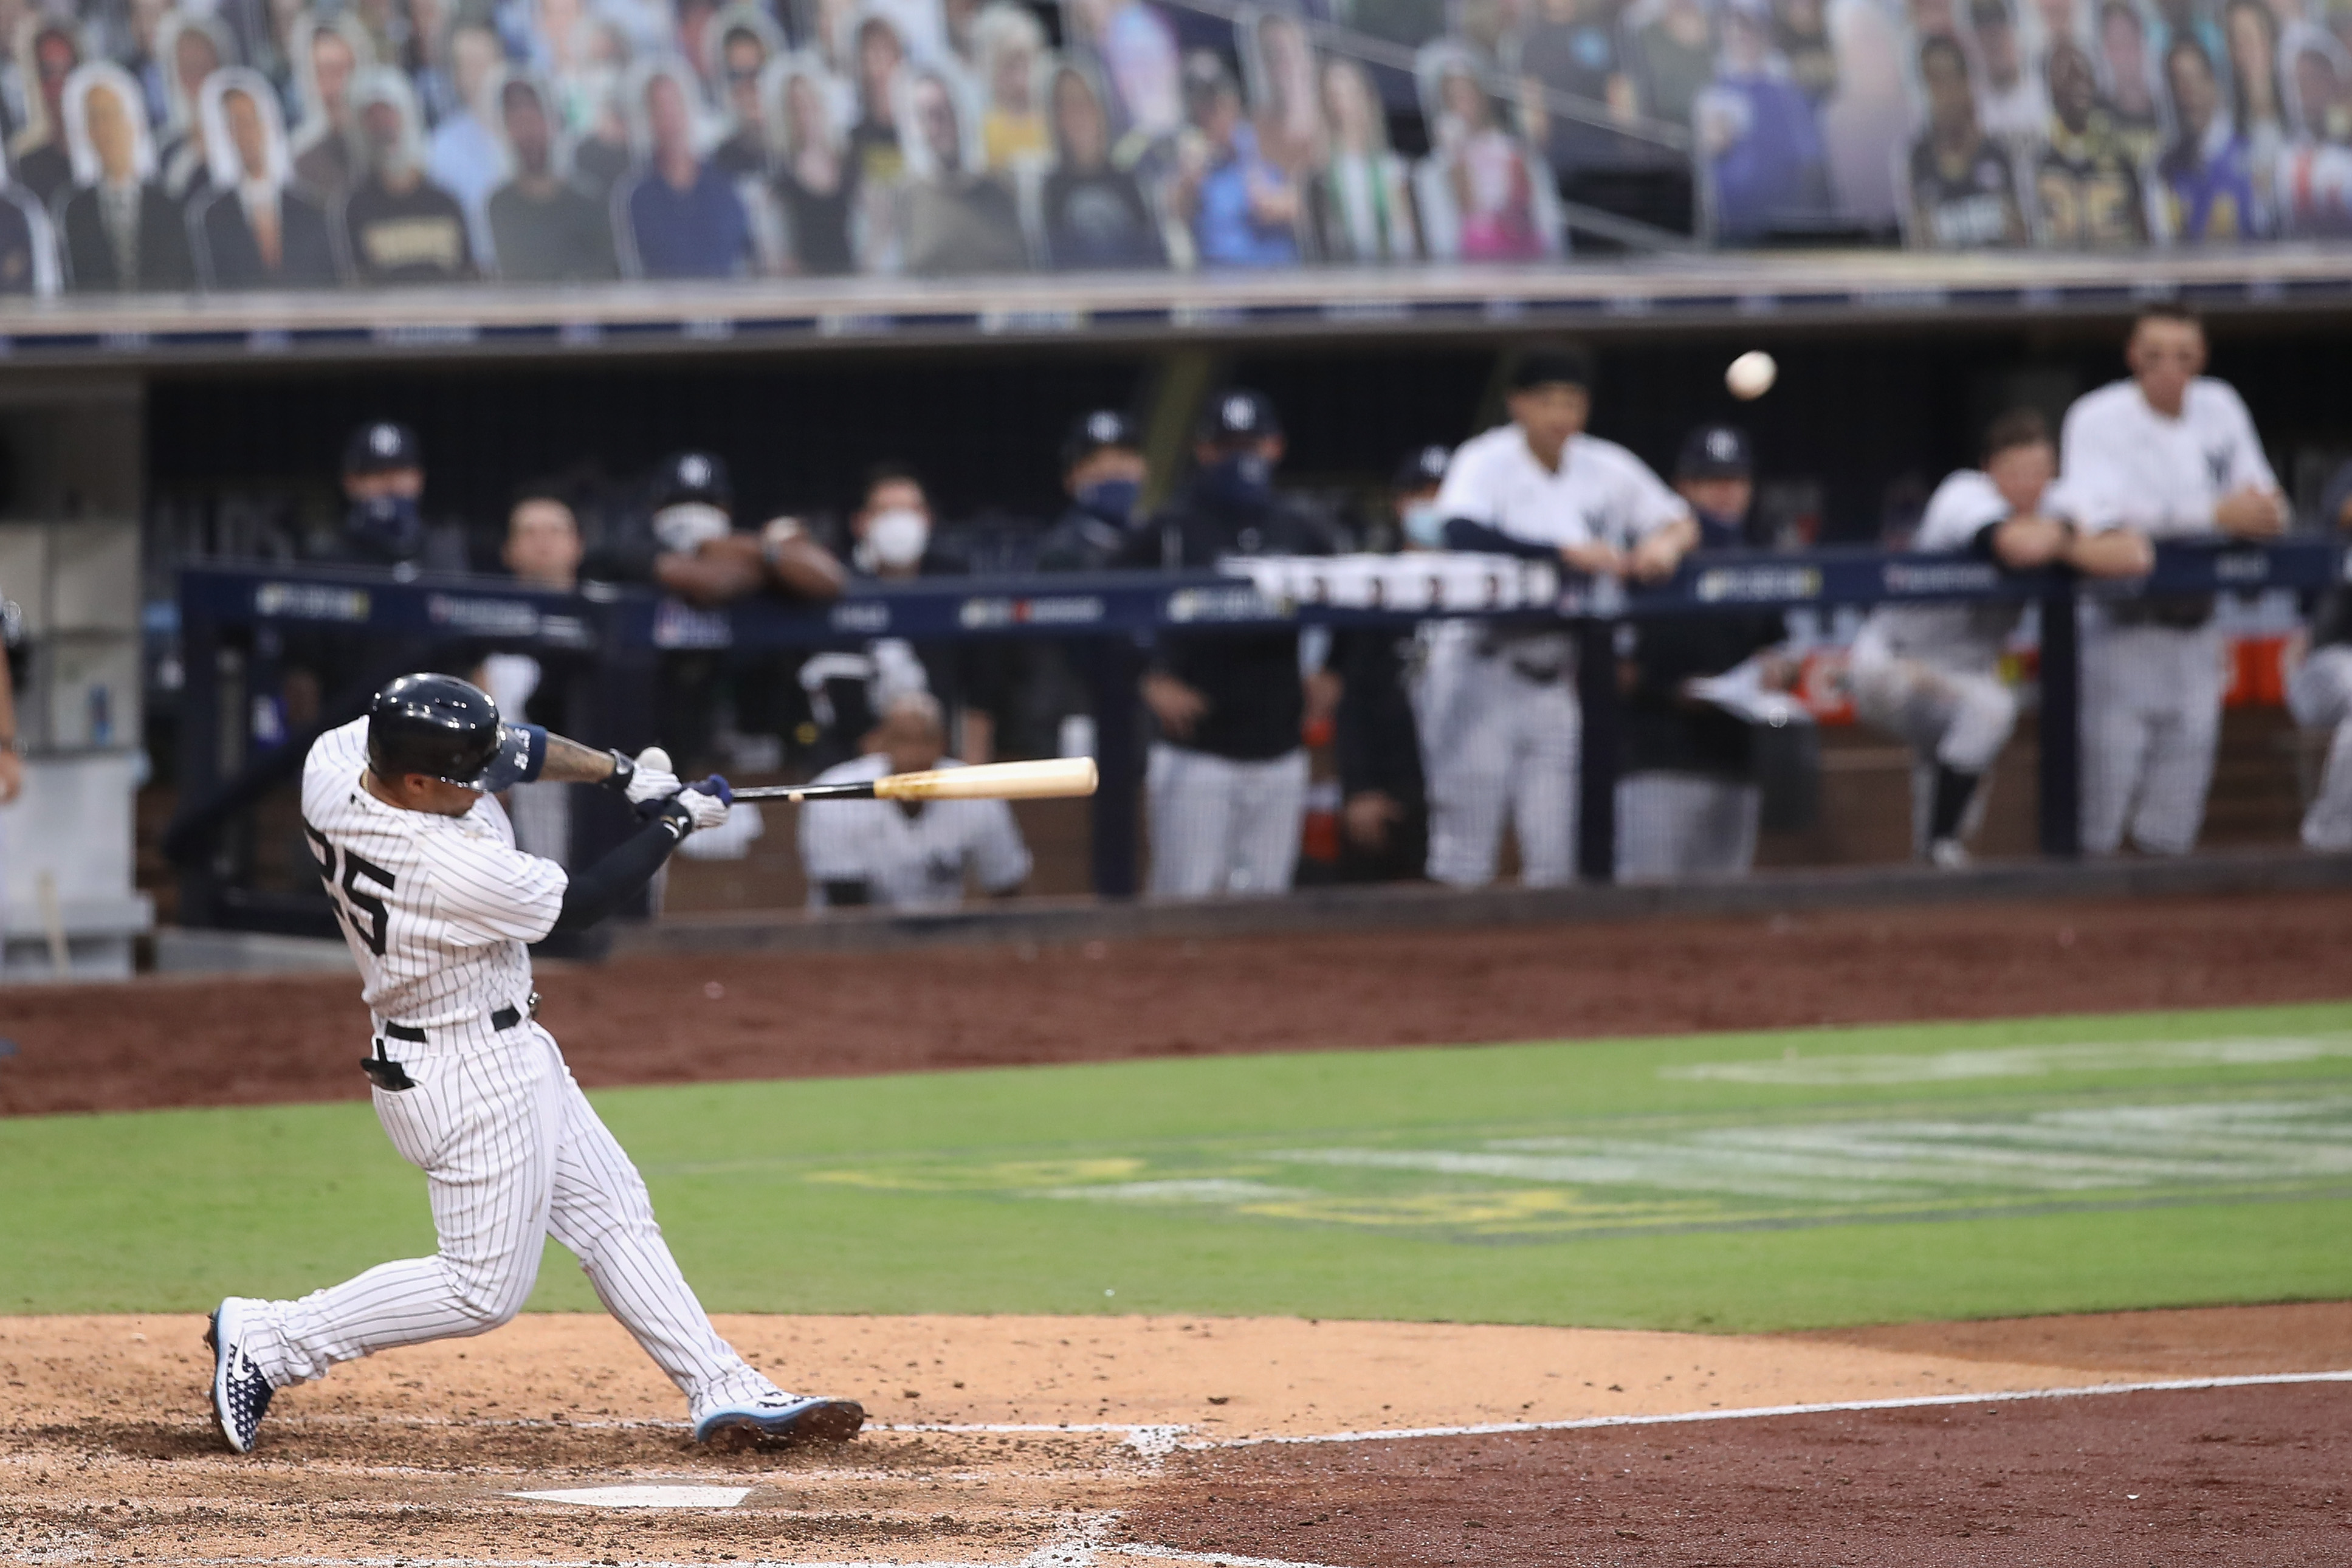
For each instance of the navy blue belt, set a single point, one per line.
(504, 1018)
(387, 1074)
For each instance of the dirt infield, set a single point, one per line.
(2219, 1476)
(1061, 1443)
(171, 1042)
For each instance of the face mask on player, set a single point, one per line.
(1241, 478)
(898, 538)
(1113, 500)
(387, 528)
(687, 526)
(1424, 525)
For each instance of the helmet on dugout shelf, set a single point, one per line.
(444, 728)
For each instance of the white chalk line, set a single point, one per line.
(1753, 1413)
(658, 1424)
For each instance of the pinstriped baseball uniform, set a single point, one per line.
(437, 911)
(908, 862)
(1930, 674)
(1500, 722)
(2152, 669)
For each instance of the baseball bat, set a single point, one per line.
(1058, 776)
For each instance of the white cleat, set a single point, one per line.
(240, 1394)
(780, 1418)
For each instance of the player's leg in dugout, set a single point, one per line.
(1469, 719)
(1676, 826)
(1191, 795)
(1269, 811)
(2183, 739)
(483, 1124)
(601, 1211)
(2117, 692)
(2319, 694)
(1655, 819)
(1544, 781)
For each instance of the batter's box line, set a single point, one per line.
(657, 1423)
(1755, 1413)
(1209, 1559)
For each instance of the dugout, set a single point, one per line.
(139, 440)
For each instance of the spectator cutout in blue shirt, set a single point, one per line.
(681, 216)
(1243, 211)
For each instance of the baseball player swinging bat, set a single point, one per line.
(1055, 778)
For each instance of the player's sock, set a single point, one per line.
(1954, 790)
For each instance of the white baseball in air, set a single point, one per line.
(655, 758)
(1752, 375)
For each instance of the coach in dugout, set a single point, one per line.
(1103, 472)
(2169, 454)
(911, 853)
(1227, 778)
(1500, 725)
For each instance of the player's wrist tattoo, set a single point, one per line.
(569, 761)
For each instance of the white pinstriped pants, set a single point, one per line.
(1222, 828)
(2319, 695)
(1685, 828)
(2151, 723)
(512, 1152)
(1494, 744)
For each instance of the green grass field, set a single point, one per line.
(1726, 1182)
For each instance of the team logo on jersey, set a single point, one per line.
(2218, 463)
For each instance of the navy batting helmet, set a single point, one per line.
(442, 726)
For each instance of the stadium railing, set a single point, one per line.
(617, 637)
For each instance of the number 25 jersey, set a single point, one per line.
(437, 910)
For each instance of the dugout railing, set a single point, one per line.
(237, 622)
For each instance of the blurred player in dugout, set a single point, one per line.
(1930, 674)
(1501, 728)
(1383, 800)
(1688, 803)
(684, 538)
(1226, 780)
(2169, 454)
(911, 853)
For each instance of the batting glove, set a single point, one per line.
(709, 800)
(647, 778)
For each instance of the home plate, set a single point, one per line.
(642, 1496)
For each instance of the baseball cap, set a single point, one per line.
(1716, 452)
(380, 446)
(1237, 414)
(1421, 468)
(1553, 363)
(1091, 432)
(691, 476)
